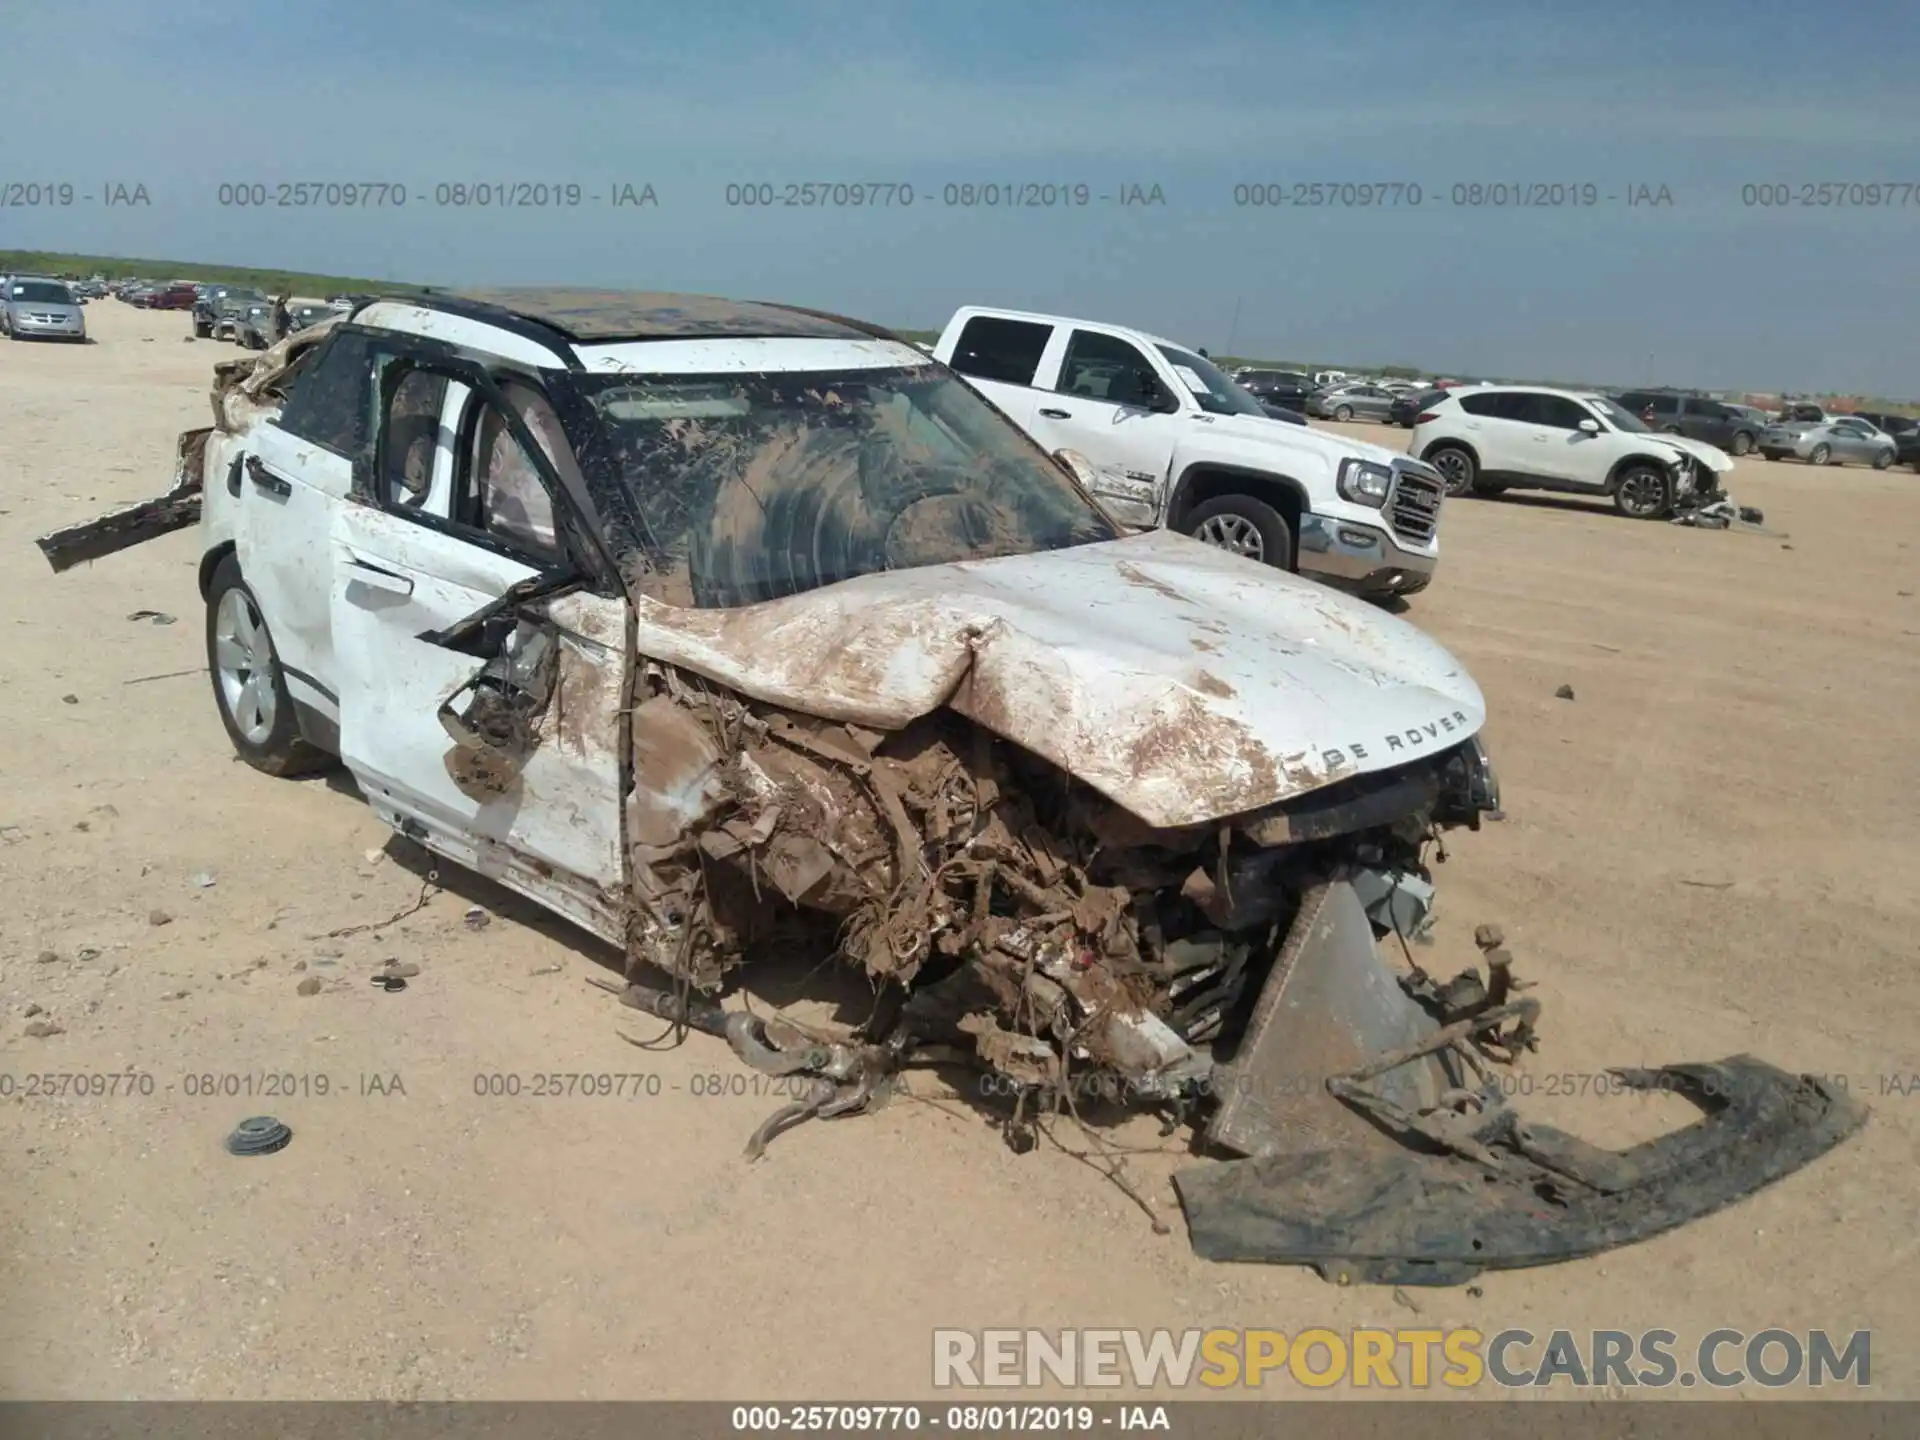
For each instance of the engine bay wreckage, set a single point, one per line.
(1134, 823)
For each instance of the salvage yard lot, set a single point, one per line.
(1709, 849)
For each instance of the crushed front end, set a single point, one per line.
(1230, 977)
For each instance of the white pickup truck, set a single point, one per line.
(1164, 438)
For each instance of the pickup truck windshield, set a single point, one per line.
(1209, 385)
(754, 487)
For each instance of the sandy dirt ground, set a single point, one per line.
(1711, 849)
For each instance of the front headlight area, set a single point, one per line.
(1361, 482)
(1469, 788)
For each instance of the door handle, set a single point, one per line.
(265, 479)
(373, 575)
(1056, 414)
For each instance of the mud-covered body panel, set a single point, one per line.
(1181, 682)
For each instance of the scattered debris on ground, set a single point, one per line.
(259, 1135)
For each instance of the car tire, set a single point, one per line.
(1819, 455)
(1343, 413)
(1415, 584)
(241, 662)
(1643, 493)
(1458, 471)
(1742, 443)
(1242, 525)
(1883, 460)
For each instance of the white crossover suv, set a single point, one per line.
(1492, 438)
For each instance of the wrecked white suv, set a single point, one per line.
(729, 630)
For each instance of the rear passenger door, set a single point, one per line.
(293, 474)
(1001, 359)
(1494, 426)
(498, 749)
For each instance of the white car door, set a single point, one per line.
(1002, 358)
(290, 479)
(459, 515)
(1563, 451)
(1491, 424)
(1110, 404)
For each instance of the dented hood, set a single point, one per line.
(1181, 682)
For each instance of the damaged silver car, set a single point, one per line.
(733, 630)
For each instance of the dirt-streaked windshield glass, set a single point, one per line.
(753, 487)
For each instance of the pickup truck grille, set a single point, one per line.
(1414, 507)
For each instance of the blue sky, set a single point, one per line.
(1700, 98)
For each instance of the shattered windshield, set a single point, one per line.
(758, 486)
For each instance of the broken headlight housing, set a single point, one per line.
(1468, 786)
(1361, 482)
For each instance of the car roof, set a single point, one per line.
(603, 315)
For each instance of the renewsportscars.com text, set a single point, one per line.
(1457, 1359)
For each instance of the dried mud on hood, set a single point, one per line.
(1182, 683)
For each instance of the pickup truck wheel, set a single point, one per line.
(248, 687)
(1456, 468)
(1742, 443)
(1643, 493)
(1819, 455)
(1245, 526)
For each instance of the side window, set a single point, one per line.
(1103, 367)
(1004, 350)
(410, 439)
(500, 488)
(1558, 412)
(1498, 406)
(333, 402)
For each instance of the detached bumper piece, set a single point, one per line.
(1400, 1171)
(135, 524)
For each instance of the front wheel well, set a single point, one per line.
(1209, 482)
(1631, 462)
(210, 562)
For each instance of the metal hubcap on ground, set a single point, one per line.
(243, 658)
(1232, 532)
(1643, 491)
(1452, 466)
